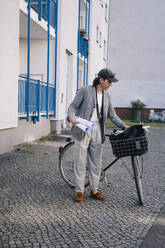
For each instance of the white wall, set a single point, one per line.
(67, 39)
(25, 132)
(137, 51)
(96, 53)
(150, 92)
(9, 53)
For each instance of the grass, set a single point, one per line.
(26, 148)
(21, 149)
(110, 125)
(30, 145)
(45, 138)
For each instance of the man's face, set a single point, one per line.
(105, 83)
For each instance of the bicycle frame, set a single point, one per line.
(113, 162)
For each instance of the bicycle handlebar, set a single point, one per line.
(146, 128)
(115, 131)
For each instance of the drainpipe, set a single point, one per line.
(38, 99)
(88, 42)
(48, 52)
(55, 78)
(28, 63)
(78, 45)
(108, 40)
(85, 48)
(40, 10)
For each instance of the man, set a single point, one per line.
(92, 103)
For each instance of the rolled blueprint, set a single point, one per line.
(82, 127)
(85, 122)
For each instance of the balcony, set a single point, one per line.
(42, 8)
(38, 98)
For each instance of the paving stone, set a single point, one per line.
(37, 207)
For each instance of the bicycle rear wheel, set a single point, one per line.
(66, 164)
(137, 175)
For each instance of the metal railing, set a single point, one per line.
(38, 102)
(83, 46)
(42, 8)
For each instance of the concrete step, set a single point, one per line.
(60, 137)
(66, 131)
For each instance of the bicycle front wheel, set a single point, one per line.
(66, 164)
(137, 176)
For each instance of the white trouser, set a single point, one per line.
(88, 153)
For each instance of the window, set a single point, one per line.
(105, 50)
(97, 34)
(106, 12)
(100, 39)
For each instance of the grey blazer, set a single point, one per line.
(83, 106)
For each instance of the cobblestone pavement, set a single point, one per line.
(37, 207)
(156, 235)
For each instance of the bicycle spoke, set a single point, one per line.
(124, 163)
(67, 162)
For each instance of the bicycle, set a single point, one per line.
(132, 147)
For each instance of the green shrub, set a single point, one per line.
(138, 104)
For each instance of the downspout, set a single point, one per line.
(85, 44)
(40, 10)
(38, 99)
(55, 78)
(48, 52)
(88, 42)
(28, 63)
(78, 46)
(108, 40)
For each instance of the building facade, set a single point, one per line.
(49, 49)
(137, 52)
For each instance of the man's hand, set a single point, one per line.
(73, 120)
(125, 127)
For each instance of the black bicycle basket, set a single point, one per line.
(132, 142)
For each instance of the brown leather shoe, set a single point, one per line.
(79, 197)
(98, 196)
